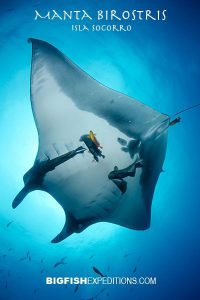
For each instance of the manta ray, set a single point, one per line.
(68, 103)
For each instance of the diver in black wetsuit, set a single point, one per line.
(92, 146)
(117, 176)
(34, 177)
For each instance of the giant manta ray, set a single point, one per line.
(67, 103)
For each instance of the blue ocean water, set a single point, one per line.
(157, 63)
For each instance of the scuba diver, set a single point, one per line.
(92, 136)
(33, 179)
(93, 145)
(117, 176)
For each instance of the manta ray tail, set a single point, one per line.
(69, 228)
(20, 196)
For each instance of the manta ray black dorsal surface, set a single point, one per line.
(67, 103)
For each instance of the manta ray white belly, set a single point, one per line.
(81, 185)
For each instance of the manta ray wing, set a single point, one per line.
(68, 103)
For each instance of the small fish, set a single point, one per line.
(42, 271)
(23, 258)
(91, 256)
(9, 223)
(10, 9)
(57, 264)
(35, 290)
(4, 255)
(134, 270)
(76, 288)
(126, 255)
(98, 272)
(10, 249)
(6, 285)
(42, 260)
(61, 262)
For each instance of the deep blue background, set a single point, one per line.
(157, 63)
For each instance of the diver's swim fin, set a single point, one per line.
(132, 168)
(121, 184)
(139, 164)
(69, 228)
(20, 196)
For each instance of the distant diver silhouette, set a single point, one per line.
(34, 177)
(117, 176)
(93, 145)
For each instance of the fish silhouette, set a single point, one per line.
(9, 223)
(61, 262)
(134, 270)
(76, 288)
(23, 258)
(98, 272)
